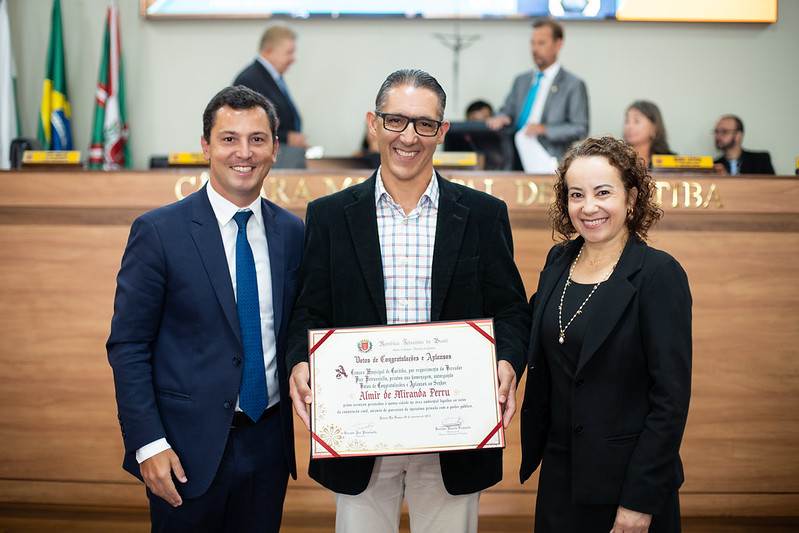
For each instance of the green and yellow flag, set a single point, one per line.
(55, 130)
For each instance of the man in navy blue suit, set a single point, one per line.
(176, 345)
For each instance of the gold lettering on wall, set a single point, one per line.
(469, 183)
(521, 189)
(713, 194)
(530, 193)
(298, 190)
(489, 187)
(301, 192)
(195, 184)
(692, 191)
(693, 196)
(659, 186)
(331, 187)
(276, 190)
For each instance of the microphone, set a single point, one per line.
(468, 139)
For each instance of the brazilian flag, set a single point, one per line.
(55, 131)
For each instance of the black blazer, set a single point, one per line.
(257, 78)
(751, 163)
(175, 344)
(473, 276)
(632, 383)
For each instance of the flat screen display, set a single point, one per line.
(660, 10)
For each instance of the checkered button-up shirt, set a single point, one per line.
(406, 247)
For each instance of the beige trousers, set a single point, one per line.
(417, 478)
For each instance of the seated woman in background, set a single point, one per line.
(644, 130)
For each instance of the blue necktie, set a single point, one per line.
(253, 397)
(282, 84)
(528, 103)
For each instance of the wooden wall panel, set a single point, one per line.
(62, 237)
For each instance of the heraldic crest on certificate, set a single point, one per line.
(410, 388)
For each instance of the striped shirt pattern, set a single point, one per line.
(406, 247)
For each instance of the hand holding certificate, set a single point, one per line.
(404, 389)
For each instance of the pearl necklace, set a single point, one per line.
(562, 336)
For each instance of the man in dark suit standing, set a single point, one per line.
(729, 134)
(198, 336)
(548, 102)
(407, 246)
(265, 75)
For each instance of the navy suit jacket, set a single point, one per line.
(257, 78)
(751, 163)
(632, 383)
(473, 276)
(175, 344)
(565, 111)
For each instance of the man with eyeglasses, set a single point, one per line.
(729, 134)
(408, 246)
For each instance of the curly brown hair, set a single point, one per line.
(633, 172)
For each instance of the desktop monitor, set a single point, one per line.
(497, 147)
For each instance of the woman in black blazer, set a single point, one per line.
(609, 375)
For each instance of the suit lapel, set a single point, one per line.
(611, 299)
(276, 245)
(450, 228)
(548, 280)
(205, 232)
(361, 219)
(553, 89)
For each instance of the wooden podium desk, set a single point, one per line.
(62, 235)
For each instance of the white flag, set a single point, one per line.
(9, 122)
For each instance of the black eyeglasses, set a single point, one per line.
(724, 132)
(426, 127)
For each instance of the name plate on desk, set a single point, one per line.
(194, 159)
(51, 157)
(410, 388)
(682, 162)
(455, 159)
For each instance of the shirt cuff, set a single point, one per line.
(148, 450)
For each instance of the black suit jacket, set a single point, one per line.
(751, 163)
(632, 383)
(175, 344)
(257, 78)
(473, 276)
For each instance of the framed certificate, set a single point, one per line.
(410, 388)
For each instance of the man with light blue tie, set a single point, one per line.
(198, 336)
(265, 75)
(547, 102)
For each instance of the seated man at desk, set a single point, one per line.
(479, 111)
(729, 134)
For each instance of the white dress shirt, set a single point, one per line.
(541, 95)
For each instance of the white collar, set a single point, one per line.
(224, 209)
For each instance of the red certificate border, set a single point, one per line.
(475, 324)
